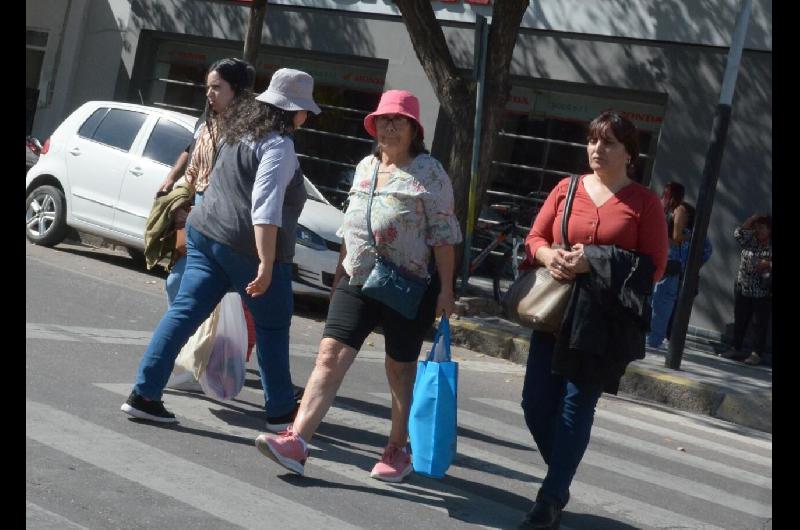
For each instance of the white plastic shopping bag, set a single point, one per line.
(223, 377)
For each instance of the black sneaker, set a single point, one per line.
(139, 407)
(281, 423)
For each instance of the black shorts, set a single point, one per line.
(353, 316)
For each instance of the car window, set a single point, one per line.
(90, 125)
(167, 141)
(119, 128)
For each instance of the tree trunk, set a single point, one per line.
(457, 97)
(252, 38)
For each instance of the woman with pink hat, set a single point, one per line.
(400, 211)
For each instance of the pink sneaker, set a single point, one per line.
(286, 448)
(394, 465)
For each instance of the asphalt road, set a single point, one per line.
(89, 315)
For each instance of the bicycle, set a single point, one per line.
(504, 240)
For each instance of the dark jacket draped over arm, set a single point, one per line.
(607, 318)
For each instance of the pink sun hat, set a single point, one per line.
(395, 102)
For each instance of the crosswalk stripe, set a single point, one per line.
(142, 338)
(654, 429)
(625, 468)
(483, 367)
(464, 505)
(234, 501)
(635, 511)
(638, 512)
(41, 519)
(676, 417)
(655, 450)
(42, 331)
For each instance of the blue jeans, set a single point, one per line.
(665, 295)
(212, 268)
(559, 415)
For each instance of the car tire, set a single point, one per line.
(46, 216)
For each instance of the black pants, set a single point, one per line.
(755, 310)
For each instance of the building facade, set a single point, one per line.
(659, 63)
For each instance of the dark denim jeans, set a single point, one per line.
(665, 295)
(559, 415)
(212, 268)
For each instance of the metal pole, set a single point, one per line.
(481, 39)
(708, 186)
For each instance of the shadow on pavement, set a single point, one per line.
(381, 411)
(177, 427)
(457, 493)
(118, 260)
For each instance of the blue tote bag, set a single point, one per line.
(433, 420)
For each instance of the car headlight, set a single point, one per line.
(309, 239)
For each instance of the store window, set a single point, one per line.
(543, 140)
(329, 146)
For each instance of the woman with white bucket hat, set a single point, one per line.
(241, 237)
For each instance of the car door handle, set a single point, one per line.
(75, 151)
(137, 171)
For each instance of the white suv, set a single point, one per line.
(99, 172)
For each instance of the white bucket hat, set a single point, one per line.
(290, 90)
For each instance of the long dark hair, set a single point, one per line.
(674, 192)
(251, 119)
(240, 75)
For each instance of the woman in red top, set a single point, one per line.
(608, 209)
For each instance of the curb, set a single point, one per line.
(509, 341)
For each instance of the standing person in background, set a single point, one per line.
(414, 227)
(753, 291)
(680, 223)
(619, 249)
(241, 236)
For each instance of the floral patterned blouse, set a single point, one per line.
(749, 280)
(412, 212)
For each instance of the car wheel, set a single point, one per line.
(46, 216)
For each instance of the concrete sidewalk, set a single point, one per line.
(705, 384)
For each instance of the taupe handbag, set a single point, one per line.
(536, 300)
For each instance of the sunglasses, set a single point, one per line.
(397, 121)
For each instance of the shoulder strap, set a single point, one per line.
(573, 186)
(372, 186)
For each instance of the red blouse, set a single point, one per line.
(632, 219)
